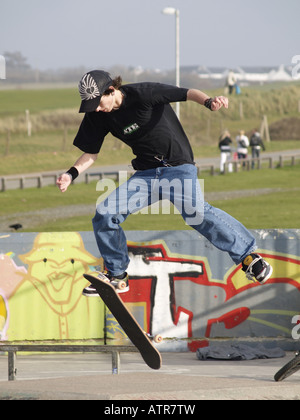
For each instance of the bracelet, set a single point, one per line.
(208, 102)
(73, 173)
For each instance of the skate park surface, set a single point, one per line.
(182, 377)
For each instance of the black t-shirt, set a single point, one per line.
(146, 122)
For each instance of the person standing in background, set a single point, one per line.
(242, 145)
(225, 148)
(231, 81)
(256, 145)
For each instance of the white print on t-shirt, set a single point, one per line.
(131, 128)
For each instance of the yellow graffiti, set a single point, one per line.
(55, 268)
(269, 324)
(48, 304)
(289, 314)
(3, 314)
(286, 268)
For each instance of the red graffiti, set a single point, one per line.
(143, 288)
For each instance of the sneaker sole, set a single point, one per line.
(97, 295)
(90, 294)
(267, 276)
(119, 291)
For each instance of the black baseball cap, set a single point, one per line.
(91, 87)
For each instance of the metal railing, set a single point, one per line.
(12, 350)
(251, 163)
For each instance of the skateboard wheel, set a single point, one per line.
(121, 285)
(156, 338)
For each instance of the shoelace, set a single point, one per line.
(103, 276)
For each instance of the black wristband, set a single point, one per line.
(73, 172)
(208, 102)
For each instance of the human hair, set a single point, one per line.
(116, 83)
(225, 134)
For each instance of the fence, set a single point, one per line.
(42, 179)
(273, 162)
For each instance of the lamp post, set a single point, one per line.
(173, 11)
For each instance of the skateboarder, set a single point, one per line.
(141, 116)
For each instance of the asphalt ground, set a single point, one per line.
(182, 378)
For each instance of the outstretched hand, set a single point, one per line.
(218, 102)
(63, 182)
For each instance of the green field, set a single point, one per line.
(37, 100)
(55, 120)
(273, 202)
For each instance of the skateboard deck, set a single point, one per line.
(289, 369)
(131, 327)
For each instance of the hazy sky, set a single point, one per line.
(54, 34)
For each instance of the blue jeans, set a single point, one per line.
(180, 186)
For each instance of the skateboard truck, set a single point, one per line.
(156, 338)
(121, 285)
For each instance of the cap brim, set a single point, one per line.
(90, 105)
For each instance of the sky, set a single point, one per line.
(55, 34)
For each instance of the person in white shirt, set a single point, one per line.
(231, 81)
(242, 145)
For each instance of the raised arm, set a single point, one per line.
(214, 104)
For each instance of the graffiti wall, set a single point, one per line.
(180, 287)
(40, 286)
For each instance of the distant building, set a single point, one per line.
(247, 74)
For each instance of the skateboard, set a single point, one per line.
(289, 369)
(130, 326)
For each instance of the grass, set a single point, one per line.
(31, 199)
(49, 151)
(267, 211)
(134, 222)
(285, 178)
(37, 100)
(55, 121)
